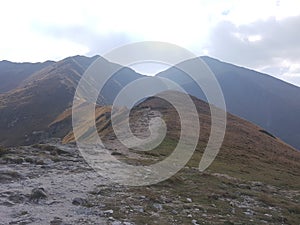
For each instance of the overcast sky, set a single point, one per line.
(260, 34)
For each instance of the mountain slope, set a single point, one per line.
(248, 151)
(13, 74)
(27, 111)
(256, 97)
(253, 180)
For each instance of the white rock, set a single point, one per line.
(127, 223)
(158, 206)
(110, 211)
(194, 222)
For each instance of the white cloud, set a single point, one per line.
(38, 30)
(270, 46)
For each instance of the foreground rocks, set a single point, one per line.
(52, 184)
(40, 190)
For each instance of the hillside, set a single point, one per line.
(253, 180)
(47, 91)
(13, 74)
(246, 147)
(255, 174)
(28, 110)
(256, 97)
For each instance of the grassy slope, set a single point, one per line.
(253, 180)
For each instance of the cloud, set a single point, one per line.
(259, 34)
(267, 45)
(95, 42)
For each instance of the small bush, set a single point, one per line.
(3, 151)
(45, 147)
(295, 209)
(267, 199)
(228, 223)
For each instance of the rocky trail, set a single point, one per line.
(51, 184)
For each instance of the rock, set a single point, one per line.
(157, 206)
(127, 223)
(21, 214)
(17, 198)
(142, 197)
(15, 160)
(110, 211)
(7, 175)
(116, 153)
(233, 210)
(138, 208)
(22, 221)
(37, 194)
(174, 212)
(195, 222)
(79, 201)
(189, 216)
(55, 150)
(257, 183)
(8, 203)
(40, 162)
(48, 161)
(189, 200)
(56, 221)
(249, 212)
(117, 223)
(29, 160)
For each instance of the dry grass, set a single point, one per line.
(247, 152)
(247, 156)
(3, 151)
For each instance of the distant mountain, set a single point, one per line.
(27, 111)
(13, 74)
(40, 97)
(256, 97)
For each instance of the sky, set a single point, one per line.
(259, 34)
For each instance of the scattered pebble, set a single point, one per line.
(37, 194)
(157, 206)
(79, 201)
(189, 200)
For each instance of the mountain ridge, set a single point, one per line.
(27, 110)
(249, 94)
(13, 74)
(259, 98)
